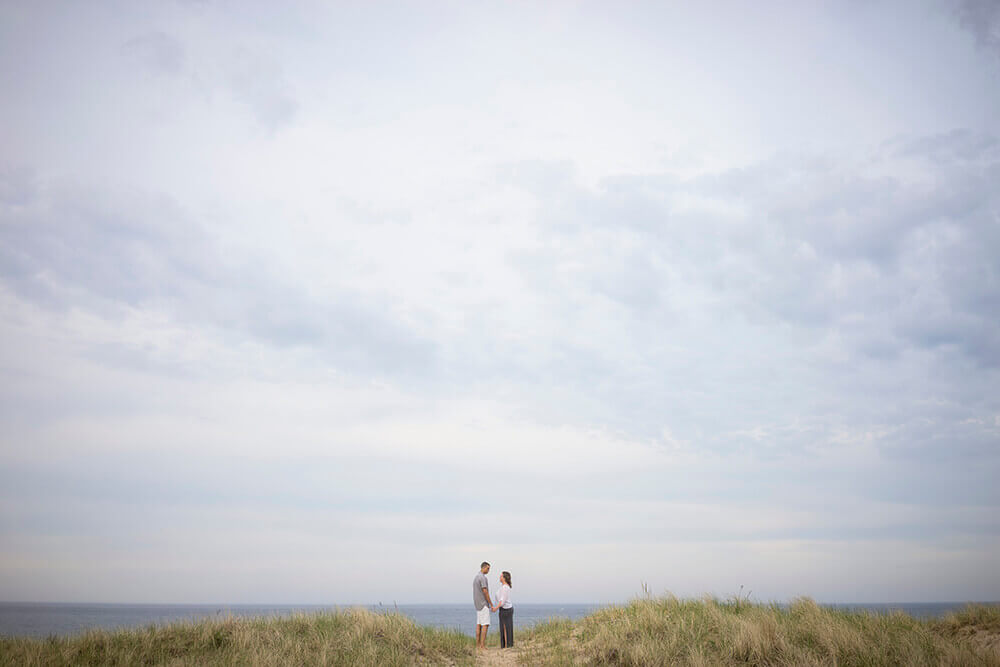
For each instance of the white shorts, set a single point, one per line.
(483, 616)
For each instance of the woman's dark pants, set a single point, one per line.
(506, 627)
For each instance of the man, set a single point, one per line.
(481, 600)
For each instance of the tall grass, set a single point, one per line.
(355, 637)
(668, 631)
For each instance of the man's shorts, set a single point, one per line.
(483, 616)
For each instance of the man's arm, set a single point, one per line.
(486, 594)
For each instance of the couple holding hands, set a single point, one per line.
(481, 600)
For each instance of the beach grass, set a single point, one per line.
(646, 631)
(349, 637)
(669, 631)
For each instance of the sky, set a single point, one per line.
(327, 303)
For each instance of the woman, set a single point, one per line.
(506, 608)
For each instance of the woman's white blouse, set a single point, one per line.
(503, 597)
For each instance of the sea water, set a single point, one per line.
(37, 619)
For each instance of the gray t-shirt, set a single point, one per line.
(478, 584)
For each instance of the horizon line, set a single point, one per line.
(453, 603)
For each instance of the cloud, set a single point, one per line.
(76, 247)
(897, 244)
(260, 84)
(982, 19)
(17, 185)
(814, 266)
(159, 52)
(846, 277)
(247, 76)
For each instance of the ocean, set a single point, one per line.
(41, 619)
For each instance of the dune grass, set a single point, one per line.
(668, 631)
(647, 631)
(353, 637)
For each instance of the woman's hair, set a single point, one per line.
(505, 576)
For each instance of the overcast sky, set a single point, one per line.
(327, 303)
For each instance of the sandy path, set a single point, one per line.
(496, 657)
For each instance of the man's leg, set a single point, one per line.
(479, 635)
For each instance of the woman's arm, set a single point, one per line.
(501, 598)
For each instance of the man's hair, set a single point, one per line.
(484, 564)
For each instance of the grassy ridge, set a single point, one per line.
(668, 631)
(354, 637)
(663, 631)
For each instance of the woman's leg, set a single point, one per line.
(506, 628)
